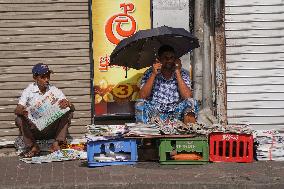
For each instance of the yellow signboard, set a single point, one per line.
(113, 21)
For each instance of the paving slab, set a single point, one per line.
(75, 174)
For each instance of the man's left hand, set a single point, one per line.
(178, 65)
(64, 103)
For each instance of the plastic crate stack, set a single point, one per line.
(184, 150)
(221, 147)
(228, 147)
(112, 152)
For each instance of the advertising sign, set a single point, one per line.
(113, 21)
(46, 110)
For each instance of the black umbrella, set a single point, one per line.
(140, 50)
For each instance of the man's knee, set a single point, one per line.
(189, 117)
(19, 121)
(69, 115)
(66, 118)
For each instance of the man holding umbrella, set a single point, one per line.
(165, 86)
(166, 90)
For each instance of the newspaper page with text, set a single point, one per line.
(46, 110)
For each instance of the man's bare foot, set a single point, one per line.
(54, 147)
(189, 118)
(33, 151)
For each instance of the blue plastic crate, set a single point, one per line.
(126, 146)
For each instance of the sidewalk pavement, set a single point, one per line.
(75, 174)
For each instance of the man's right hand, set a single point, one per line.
(156, 67)
(21, 110)
(146, 90)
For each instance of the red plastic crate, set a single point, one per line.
(226, 147)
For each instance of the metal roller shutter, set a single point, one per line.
(254, 32)
(53, 32)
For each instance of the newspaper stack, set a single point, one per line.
(158, 127)
(91, 137)
(141, 129)
(175, 126)
(200, 128)
(167, 127)
(112, 156)
(270, 145)
(105, 131)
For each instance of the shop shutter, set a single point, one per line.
(254, 32)
(52, 32)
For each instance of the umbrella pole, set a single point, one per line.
(126, 72)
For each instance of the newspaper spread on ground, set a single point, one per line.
(46, 110)
(60, 155)
(270, 145)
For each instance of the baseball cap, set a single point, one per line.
(41, 69)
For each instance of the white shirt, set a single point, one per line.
(31, 94)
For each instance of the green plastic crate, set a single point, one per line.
(171, 146)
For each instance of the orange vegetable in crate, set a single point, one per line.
(79, 147)
(189, 156)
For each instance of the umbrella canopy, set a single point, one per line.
(141, 49)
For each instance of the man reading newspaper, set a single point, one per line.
(39, 102)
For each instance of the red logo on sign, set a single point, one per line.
(116, 22)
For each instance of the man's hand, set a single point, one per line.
(146, 90)
(156, 67)
(64, 103)
(21, 111)
(178, 65)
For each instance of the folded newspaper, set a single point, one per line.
(46, 110)
(270, 144)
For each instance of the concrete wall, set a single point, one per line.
(174, 13)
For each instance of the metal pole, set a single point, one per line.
(91, 62)
(206, 66)
(197, 53)
(220, 57)
(213, 75)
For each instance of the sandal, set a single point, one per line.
(30, 154)
(34, 151)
